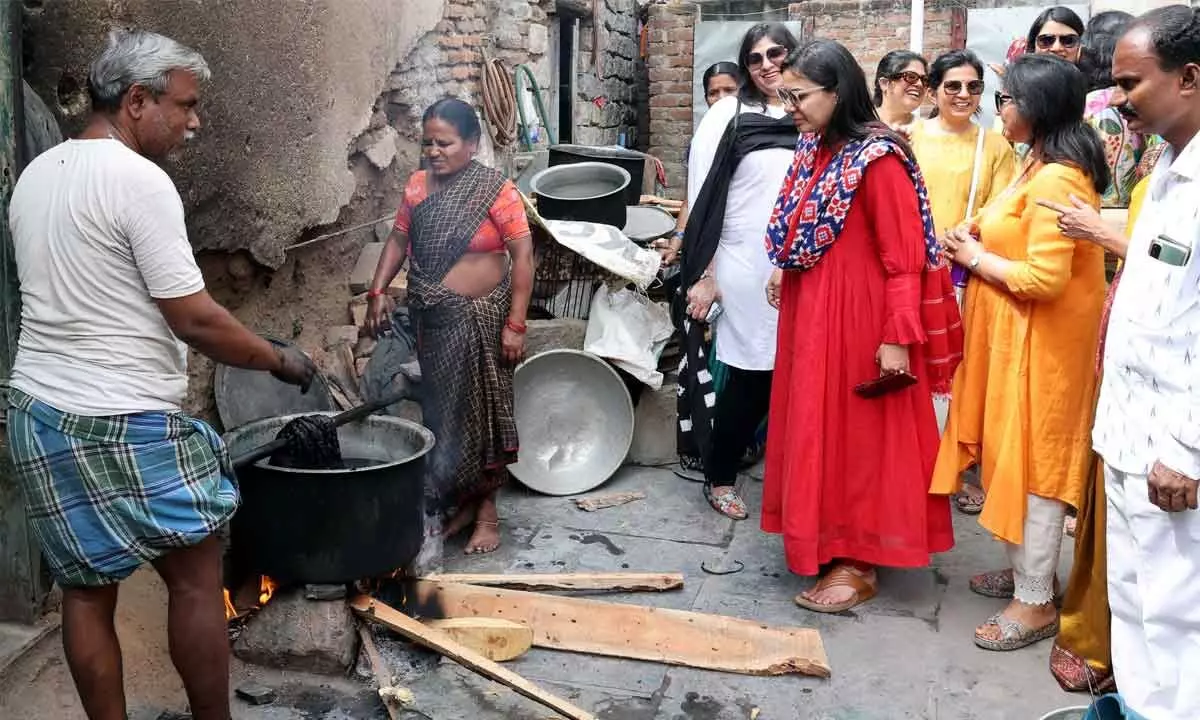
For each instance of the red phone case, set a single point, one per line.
(885, 384)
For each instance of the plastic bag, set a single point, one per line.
(627, 329)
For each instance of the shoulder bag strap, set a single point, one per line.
(975, 174)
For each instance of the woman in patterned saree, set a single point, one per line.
(864, 295)
(463, 226)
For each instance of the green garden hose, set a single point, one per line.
(523, 74)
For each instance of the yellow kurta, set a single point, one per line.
(1023, 397)
(946, 161)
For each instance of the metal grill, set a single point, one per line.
(563, 281)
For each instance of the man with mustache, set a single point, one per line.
(113, 473)
(1147, 426)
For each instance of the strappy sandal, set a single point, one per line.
(727, 503)
(689, 468)
(1014, 635)
(1001, 585)
(969, 505)
(840, 576)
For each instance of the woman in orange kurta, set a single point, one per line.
(1023, 397)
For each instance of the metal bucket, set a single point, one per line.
(582, 192)
(332, 526)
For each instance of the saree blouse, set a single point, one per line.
(506, 222)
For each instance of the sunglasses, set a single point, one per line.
(1045, 42)
(792, 97)
(1002, 99)
(910, 77)
(954, 87)
(775, 54)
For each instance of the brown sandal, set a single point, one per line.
(840, 576)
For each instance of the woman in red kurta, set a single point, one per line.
(863, 293)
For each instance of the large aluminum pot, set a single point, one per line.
(582, 192)
(575, 420)
(333, 526)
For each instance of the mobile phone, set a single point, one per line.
(1171, 252)
(714, 312)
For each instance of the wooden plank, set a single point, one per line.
(610, 500)
(440, 642)
(673, 637)
(382, 676)
(613, 582)
(498, 640)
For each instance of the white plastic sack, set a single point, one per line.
(630, 331)
(608, 247)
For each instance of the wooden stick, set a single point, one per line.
(613, 582)
(440, 642)
(377, 666)
(673, 637)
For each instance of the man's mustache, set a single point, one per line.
(1127, 111)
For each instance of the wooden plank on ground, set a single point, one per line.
(674, 637)
(438, 641)
(613, 582)
(382, 676)
(498, 640)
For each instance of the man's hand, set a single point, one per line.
(1171, 491)
(295, 368)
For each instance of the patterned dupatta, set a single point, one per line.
(810, 214)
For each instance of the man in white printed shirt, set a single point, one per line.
(1147, 425)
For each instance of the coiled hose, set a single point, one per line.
(500, 102)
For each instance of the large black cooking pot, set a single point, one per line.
(632, 161)
(582, 192)
(333, 526)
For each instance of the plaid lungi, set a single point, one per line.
(106, 494)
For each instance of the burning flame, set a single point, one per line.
(266, 589)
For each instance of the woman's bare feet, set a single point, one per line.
(486, 537)
(461, 520)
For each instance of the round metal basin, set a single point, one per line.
(333, 526)
(575, 421)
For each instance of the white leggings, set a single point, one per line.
(1035, 561)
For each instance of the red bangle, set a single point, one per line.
(375, 293)
(516, 327)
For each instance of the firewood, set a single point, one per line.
(440, 642)
(612, 582)
(498, 640)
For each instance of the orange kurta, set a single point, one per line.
(1023, 397)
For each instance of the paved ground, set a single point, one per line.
(907, 654)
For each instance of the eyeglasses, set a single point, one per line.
(954, 87)
(792, 97)
(1069, 41)
(1002, 99)
(910, 77)
(775, 54)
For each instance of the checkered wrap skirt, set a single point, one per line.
(106, 494)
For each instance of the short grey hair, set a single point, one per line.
(137, 57)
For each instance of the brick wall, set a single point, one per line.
(869, 28)
(606, 102)
(669, 67)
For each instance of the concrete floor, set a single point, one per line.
(906, 654)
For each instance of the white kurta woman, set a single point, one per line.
(744, 168)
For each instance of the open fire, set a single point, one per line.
(266, 588)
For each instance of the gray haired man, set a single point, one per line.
(114, 474)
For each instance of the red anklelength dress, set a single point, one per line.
(847, 477)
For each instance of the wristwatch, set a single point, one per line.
(973, 263)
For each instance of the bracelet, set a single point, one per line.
(375, 293)
(706, 275)
(678, 234)
(518, 328)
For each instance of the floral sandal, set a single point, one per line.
(727, 503)
(1014, 635)
(1001, 585)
